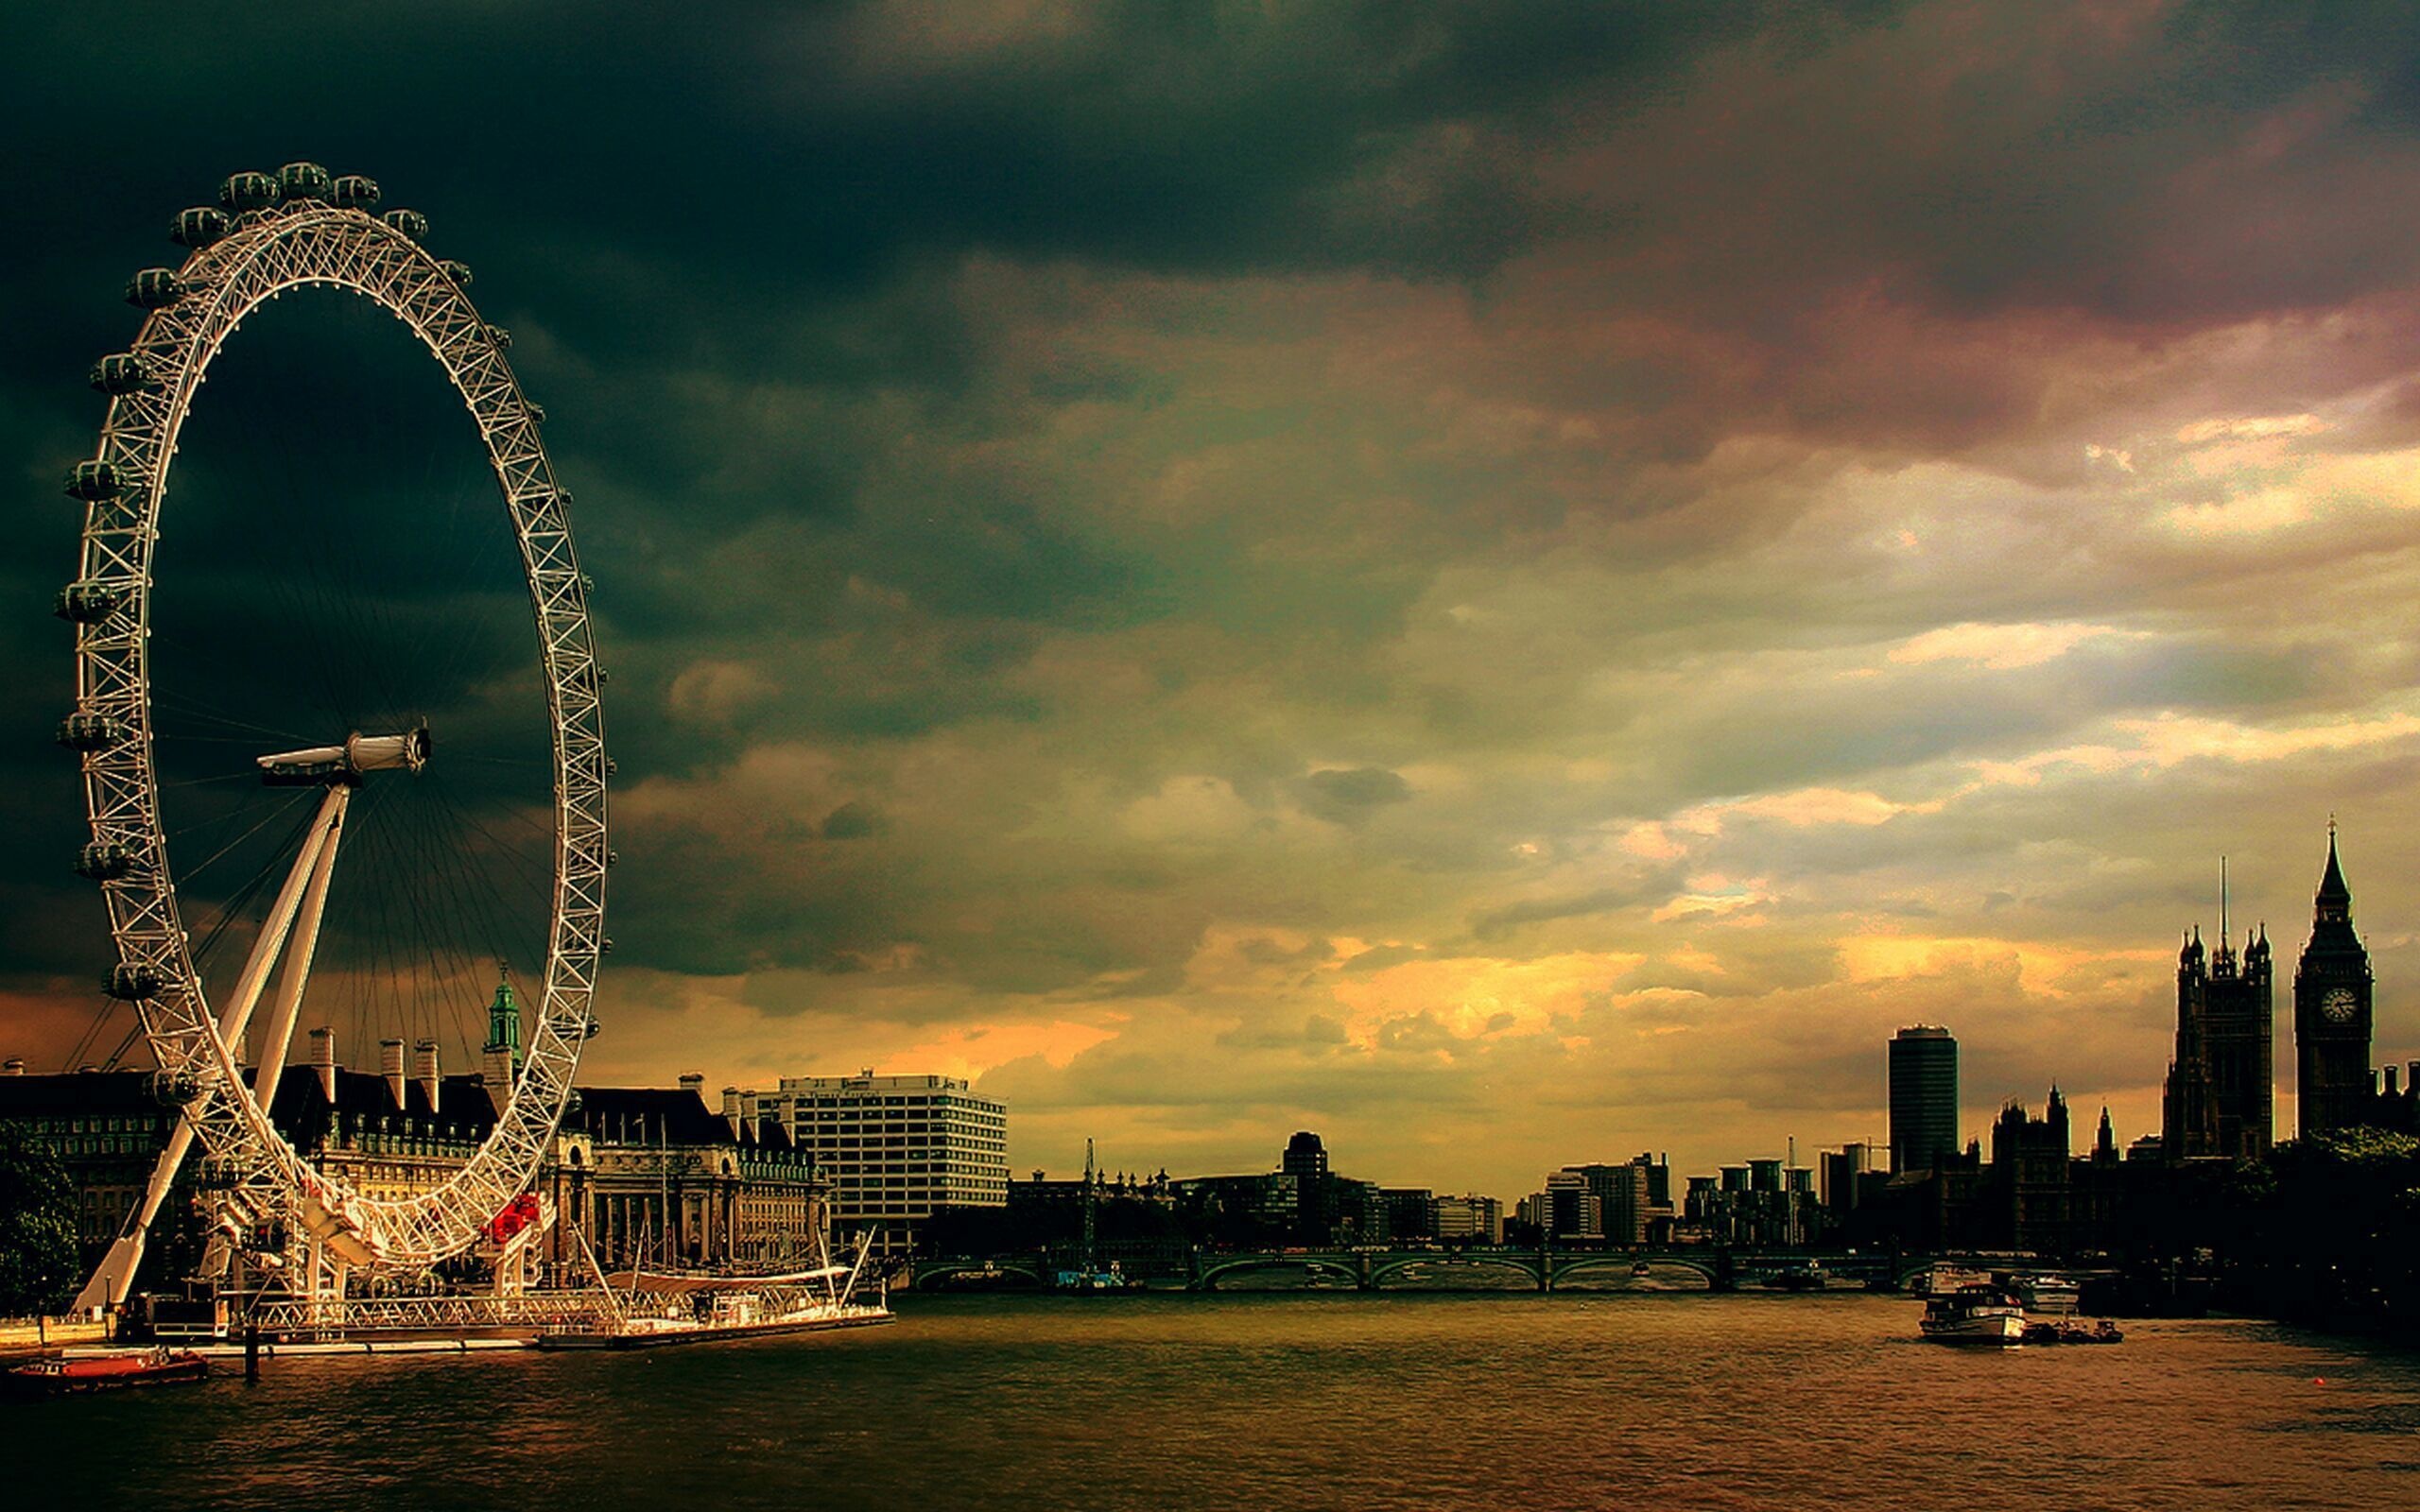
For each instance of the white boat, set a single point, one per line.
(1943, 1279)
(749, 1307)
(2043, 1292)
(430, 1344)
(644, 1312)
(1976, 1313)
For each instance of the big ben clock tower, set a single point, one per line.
(2332, 1011)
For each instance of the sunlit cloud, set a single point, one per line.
(2001, 648)
(2250, 428)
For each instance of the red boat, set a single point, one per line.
(104, 1372)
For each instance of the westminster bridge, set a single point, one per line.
(1411, 1268)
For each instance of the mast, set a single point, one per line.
(1092, 1261)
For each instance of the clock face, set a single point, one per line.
(2338, 1005)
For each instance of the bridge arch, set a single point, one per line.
(1330, 1264)
(1526, 1268)
(1572, 1265)
(931, 1275)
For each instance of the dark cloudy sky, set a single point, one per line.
(1511, 583)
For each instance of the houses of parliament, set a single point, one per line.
(2220, 1090)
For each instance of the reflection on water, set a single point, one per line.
(1334, 1401)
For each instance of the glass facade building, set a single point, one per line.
(1924, 1098)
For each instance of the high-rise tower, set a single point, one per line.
(2332, 1011)
(1306, 1161)
(1924, 1098)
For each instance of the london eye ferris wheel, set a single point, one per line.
(265, 731)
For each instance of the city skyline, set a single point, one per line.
(1511, 588)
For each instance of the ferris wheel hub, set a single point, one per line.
(348, 763)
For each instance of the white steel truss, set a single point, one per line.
(253, 1170)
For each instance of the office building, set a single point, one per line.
(1305, 1162)
(1632, 1198)
(1470, 1219)
(895, 1148)
(1842, 1171)
(1410, 1214)
(1924, 1098)
(1567, 1212)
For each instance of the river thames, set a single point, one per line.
(1322, 1401)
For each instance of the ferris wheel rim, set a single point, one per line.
(264, 253)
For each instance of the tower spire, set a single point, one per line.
(504, 1023)
(2335, 899)
(2222, 902)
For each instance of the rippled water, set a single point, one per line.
(1321, 1401)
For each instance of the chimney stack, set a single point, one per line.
(323, 1063)
(694, 1082)
(731, 1109)
(496, 1071)
(390, 1065)
(424, 1071)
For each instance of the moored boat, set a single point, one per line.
(1942, 1278)
(107, 1373)
(739, 1319)
(1975, 1314)
(644, 1312)
(2068, 1331)
(2042, 1290)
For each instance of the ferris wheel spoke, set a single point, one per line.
(185, 708)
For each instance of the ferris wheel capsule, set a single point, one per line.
(355, 192)
(154, 288)
(410, 222)
(100, 862)
(199, 226)
(89, 733)
(121, 372)
(246, 192)
(458, 272)
(302, 182)
(131, 981)
(93, 481)
(87, 603)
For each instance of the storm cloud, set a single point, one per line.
(1510, 583)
